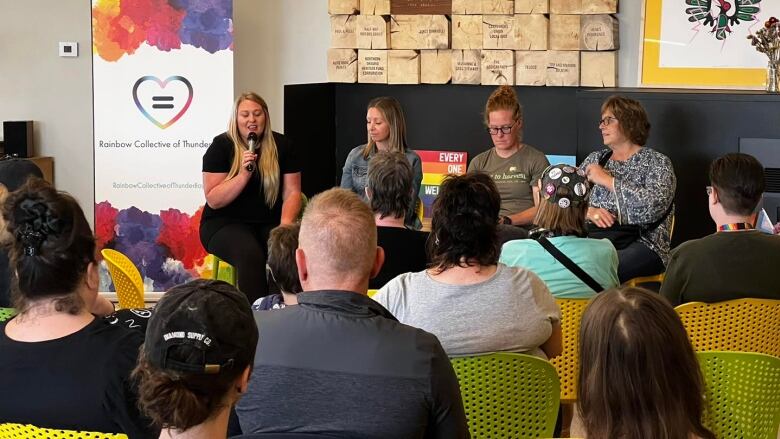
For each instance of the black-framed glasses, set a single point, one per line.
(506, 129)
(708, 189)
(607, 120)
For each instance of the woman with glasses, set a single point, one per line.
(632, 199)
(514, 166)
(386, 128)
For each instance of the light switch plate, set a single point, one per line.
(69, 48)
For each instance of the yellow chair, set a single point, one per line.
(567, 364)
(657, 278)
(127, 279)
(741, 325)
(20, 431)
(232, 274)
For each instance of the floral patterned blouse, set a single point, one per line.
(644, 190)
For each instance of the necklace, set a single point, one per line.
(735, 226)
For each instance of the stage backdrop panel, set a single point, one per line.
(163, 88)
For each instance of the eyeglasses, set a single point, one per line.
(506, 129)
(708, 189)
(607, 120)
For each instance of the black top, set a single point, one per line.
(339, 363)
(77, 382)
(249, 206)
(404, 253)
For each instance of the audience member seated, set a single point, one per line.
(61, 366)
(339, 363)
(195, 363)
(514, 166)
(13, 174)
(632, 200)
(469, 300)
(561, 221)
(389, 190)
(736, 261)
(386, 128)
(282, 244)
(639, 377)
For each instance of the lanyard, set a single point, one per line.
(735, 226)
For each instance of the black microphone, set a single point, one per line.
(252, 139)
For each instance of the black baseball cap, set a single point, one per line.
(204, 326)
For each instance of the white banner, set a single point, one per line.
(163, 88)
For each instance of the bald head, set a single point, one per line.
(337, 242)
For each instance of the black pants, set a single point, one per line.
(638, 260)
(245, 247)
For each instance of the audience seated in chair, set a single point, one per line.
(736, 261)
(639, 377)
(282, 244)
(196, 360)
(339, 363)
(60, 365)
(389, 191)
(560, 219)
(469, 300)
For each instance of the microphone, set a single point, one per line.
(252, 139)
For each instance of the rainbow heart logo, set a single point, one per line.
(162, 102)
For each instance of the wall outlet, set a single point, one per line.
(69, 48)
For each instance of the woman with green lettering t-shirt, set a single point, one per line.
(386, 129)
(514, 166)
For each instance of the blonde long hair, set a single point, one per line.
(268, 165)
(394, 116)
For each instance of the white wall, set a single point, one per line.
(277, 42)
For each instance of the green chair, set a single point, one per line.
(742, 394)
(508, 395)
(229, 274)
(6, 313)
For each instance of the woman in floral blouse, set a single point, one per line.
(635, 186)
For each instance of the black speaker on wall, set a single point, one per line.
(18, 138)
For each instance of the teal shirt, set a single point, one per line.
(597, 257)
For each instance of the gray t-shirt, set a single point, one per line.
(513, 311)
(513, 175)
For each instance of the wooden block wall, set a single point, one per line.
(521, 42)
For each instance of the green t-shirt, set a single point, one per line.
(513, 175)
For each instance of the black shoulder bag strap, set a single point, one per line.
(568, 263)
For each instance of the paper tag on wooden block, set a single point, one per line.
(372, 66)
(531, 31)
(498, 67)
(435, 66)
(348, 7)
(599, 6)
(530, 68)
(343, 31)
(532, 6)
(466, 7)
(564, 32)
(498, 7)
(563, 68)
(342, 65)
(565, 6)
(599, 32)
(466, 67)
(467, 31)
(373, 32)
(498, 32)
(599, 69)
(403, 67)
(419, 32)
(429, 7)
(374, 7)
